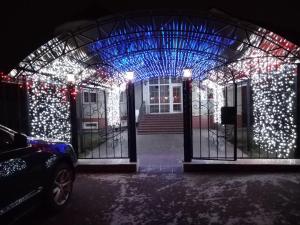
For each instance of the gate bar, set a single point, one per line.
(131, 122)
(235, 122)
(187, 120)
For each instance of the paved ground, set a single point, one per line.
(176, 198)
(160, 194)
(160, 152)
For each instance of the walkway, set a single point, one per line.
(170, 198)
(160, 152)
(163, 152)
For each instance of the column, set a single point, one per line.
(131, 122)
(187, 119)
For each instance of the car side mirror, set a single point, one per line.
(20, 140)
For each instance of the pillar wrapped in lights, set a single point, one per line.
(274, 97)
(49, 111)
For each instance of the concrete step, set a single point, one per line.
(161, 123)
(160, 132)
(161, 129)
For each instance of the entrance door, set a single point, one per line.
(165, 95)
(176, 99)
(164, 106)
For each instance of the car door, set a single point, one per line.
(17, 180)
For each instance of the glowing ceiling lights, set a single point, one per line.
(163, 52)
(166, 47)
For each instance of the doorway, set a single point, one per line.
(163, 95)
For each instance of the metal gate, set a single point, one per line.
(102, 123)
(214, 121)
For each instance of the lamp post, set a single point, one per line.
(187, 115)
(131, 117)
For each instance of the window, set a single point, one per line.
(86, 96)
(164, 80)
(153, 81)
(89, 97)
(154, 98)
(176, 80)
(154, 108)
(93, 97)
(165, 108)
(164, 92)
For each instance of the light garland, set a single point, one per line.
(113, 106)
(218, 98)
(49, 111)
(273, 110)
(167, 48)
(214, 103)
(162, 49)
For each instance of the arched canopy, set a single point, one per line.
(154, 44)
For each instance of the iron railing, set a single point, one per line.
(142, 111)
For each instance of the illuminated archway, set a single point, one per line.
(154, 44)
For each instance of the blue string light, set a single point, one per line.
(167, 50)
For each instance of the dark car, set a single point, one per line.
(31, 167)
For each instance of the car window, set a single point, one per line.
(6, 141)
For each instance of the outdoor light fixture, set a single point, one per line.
(70, 78)
(129, 75)
(187, 73)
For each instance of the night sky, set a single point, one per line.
(25, 25)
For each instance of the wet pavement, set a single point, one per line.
(179, 198)
(161, 194)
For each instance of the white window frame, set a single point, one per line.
(171, 85)
(89, 97)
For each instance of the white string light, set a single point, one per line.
(273, 110)
(113, 106)
(49, 112)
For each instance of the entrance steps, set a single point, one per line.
(171, 123)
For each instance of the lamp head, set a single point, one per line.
(187, 73)
(129, 75)
(71, 78)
